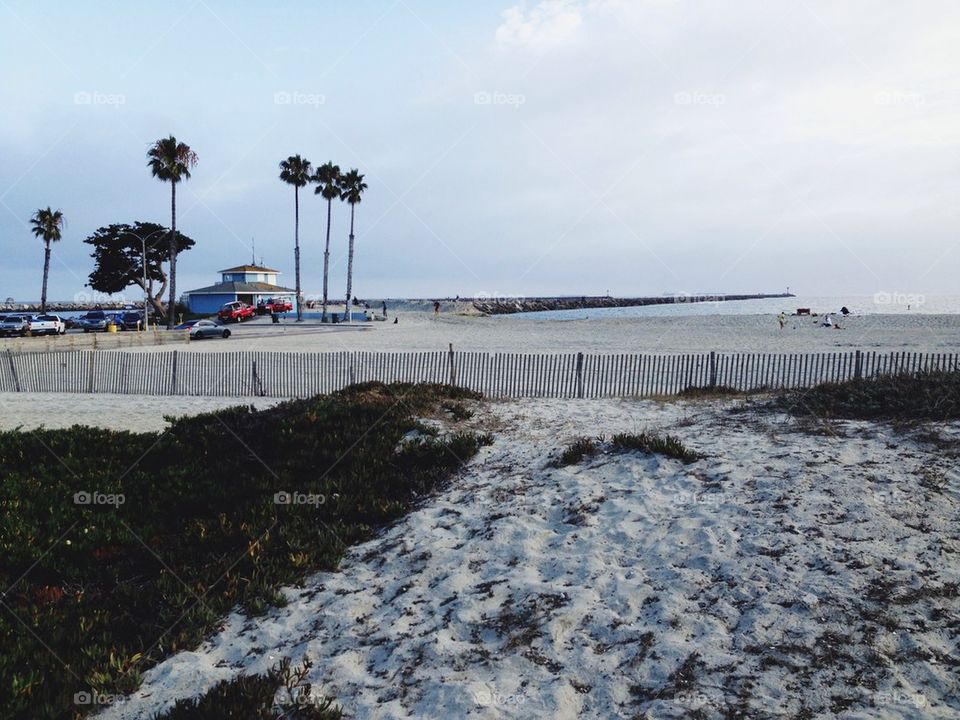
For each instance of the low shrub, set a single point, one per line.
(253, 697)
(120, 548)
(666, 445)
(576, 451)
(904, 397)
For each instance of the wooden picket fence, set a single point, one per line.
(499, 375)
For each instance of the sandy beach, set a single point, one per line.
(786, 573)
(697, 333)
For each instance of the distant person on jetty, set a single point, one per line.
(783, 320)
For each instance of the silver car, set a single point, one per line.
(208, 328)
(14, 325)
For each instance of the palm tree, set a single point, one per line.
(328, 179)
(47, 225)
(352, 188)
(295, 171)
(170, 161)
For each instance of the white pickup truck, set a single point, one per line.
(46, 325)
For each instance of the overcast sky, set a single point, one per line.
(562, 146)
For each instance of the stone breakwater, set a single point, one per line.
(58, 307)
(507, 306)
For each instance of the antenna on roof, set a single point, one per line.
(253, 251)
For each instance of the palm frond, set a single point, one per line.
(295, 171)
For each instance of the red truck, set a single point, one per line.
(236, 312)
(279, 305)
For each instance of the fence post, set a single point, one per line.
(13, 370)
(453, 367)
(173, 379)
(713, 369)
(257, 383)
(580, 375)
(858, 367)
(91, 372)
(353, 375)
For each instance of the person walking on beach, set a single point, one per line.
(436, 307)
(384, 309)
(783, 320)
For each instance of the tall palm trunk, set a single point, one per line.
(346, 314)
(46, 273)
(326, 261)
(296, 248)
(172, 301)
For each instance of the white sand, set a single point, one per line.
(723, 333)
(530, 592)
(139, 413)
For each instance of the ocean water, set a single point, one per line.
(880, 304)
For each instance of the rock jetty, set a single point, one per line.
(506, 306)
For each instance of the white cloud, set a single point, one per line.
(549, 23)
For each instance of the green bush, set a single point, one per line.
(666, 445)
(904, 397)
(252, 697)
(109, 588)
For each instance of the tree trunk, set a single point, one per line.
(349, 266)
(326, 261)
(46, 273)
(155, 300)
(296, 248)
(172, 301)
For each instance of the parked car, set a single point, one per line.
(130, 320)
(208, 328)
(46, 325)
(93, 321)
(236, 312)
(14, 325)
